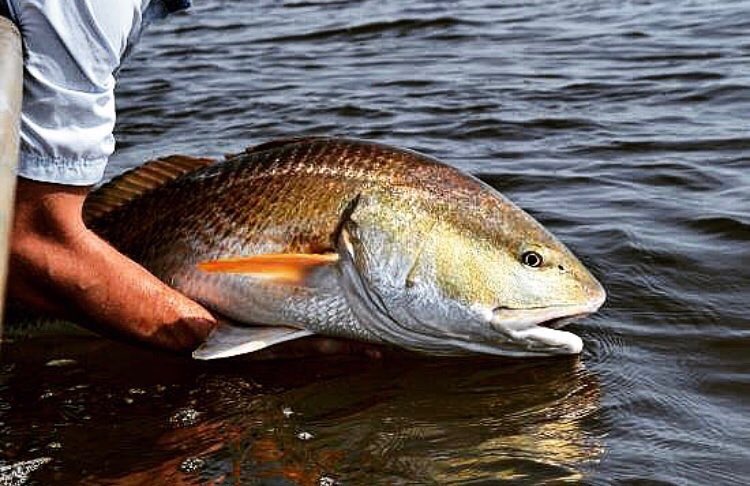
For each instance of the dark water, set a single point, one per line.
(621, 125)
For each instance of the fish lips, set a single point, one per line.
(554, 317)
(538, 329)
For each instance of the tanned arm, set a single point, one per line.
(60, 267)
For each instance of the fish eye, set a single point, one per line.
(532, 259)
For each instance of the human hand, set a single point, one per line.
(318, 346)
(60, 268)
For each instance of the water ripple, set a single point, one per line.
(400, 27)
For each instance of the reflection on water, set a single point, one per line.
(94, 407)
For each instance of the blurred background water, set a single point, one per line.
(621, 125)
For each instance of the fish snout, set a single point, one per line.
(596, 295)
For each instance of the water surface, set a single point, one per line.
(622, 126)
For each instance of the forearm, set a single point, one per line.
(60, 267)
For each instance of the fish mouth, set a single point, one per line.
(553, 317)
(560, 322)
(537, 331)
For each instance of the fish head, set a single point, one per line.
(528, 285)
(496, 282)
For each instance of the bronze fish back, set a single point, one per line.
(287, 197)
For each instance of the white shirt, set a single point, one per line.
(72, 48)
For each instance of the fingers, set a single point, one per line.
(179, 324)
(183, 335)
(327, 346)
(318, 346)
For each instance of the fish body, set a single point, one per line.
(353, 239)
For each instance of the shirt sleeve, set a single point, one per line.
(72, 49)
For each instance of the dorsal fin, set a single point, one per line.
(136, 182)
(278, 143)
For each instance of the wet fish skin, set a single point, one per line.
(430, 256)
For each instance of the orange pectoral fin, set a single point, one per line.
(279, 267)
